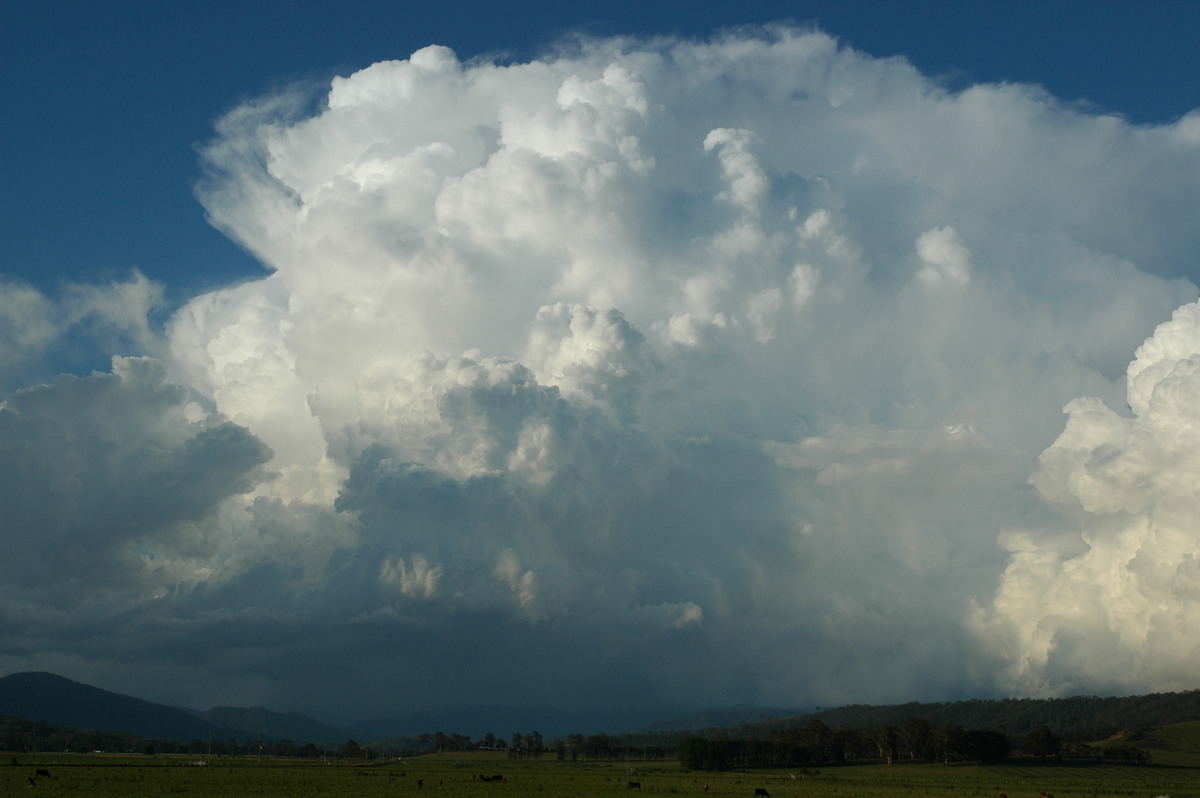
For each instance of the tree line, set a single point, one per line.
(533, 745)
(18, 735)
(817, 744)
(916, 739)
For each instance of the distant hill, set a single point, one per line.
(716, 718)
(1182, 737)
(45, 697)
(277, 726)
(1079, 717)
(63, 702)
(1075, 716)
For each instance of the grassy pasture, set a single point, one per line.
(453, 776)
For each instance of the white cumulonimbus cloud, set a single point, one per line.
(685, 372)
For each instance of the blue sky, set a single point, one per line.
(614, 343)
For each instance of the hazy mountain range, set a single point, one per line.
(61, 701)
(46, 697)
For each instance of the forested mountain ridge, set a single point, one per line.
(275, 725)
(43, 697)
(1077, 717)
(56, 700)
(61, 701)
(1092, 729)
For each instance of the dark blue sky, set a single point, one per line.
(105, 102)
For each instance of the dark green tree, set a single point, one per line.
(819, 738)
(884, 738)
(913, 737)
(945, 743)
(985, 746)
(1041, 742)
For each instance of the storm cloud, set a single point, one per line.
(663, 372)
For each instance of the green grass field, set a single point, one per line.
(454, 776)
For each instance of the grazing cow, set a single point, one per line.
(420, 783)
(760, 791)
(1003, 795)
(29, 782)
(634, 785)
(42, 772)
(706, 788)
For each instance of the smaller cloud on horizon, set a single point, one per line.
(41, 335)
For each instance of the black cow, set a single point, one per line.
(760, 791)
(41, 772)
(635, 785)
